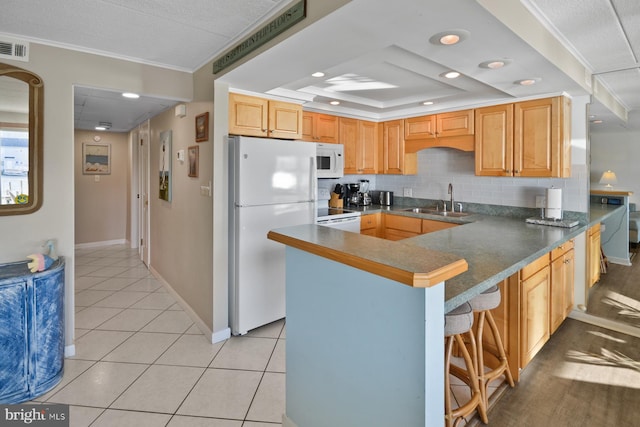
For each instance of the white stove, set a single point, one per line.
(342, 219)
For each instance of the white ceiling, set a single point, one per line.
(378, 59)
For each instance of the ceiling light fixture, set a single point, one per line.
(528, 82)
(449, 38)
(494, 64)
(335, 103)
(596, 122)
(450, 74)
(318, 74)
(427, 103)
(103, 126)
(131, 95)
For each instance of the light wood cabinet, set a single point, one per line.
(317, 127)
(534, 313)
(494, 140)
(429, 225)
(455, 123)
(397, 227)
(454, 130)
(360, 140)
(394, 158)
(562, 284)
(254, 116)
(371, 224)
(539, 144)
(593, 255)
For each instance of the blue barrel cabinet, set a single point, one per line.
(31, 330)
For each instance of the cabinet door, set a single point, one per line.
(308, 133)
(48, 343)
(398, 227)
(536, 137)
(367, 147)
(423, 127)
(13, 341)
(393, 147)
(494, 140)
(534, 321)
(326, 128)
(370, 225)
(569, 284)
(557, 304)
(285, 120)
(593, 236)
(455, 123)
(349, 138)
(248, 115)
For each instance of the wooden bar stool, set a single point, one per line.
(498, 363)
(458, 322)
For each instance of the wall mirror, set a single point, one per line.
(21, 130)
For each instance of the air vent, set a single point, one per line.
(14, 49)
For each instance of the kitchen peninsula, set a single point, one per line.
(365, 316)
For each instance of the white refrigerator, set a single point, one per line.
(272, 184)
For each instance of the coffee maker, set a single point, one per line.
(353, 194)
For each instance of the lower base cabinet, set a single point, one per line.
(534, 302)
(371, 225)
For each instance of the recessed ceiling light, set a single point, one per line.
(131, 95)
(103, 126)
(528, 82)
(450, 74)
(494, 64)
(450, 37)
(427, 103)
(596, 122)
(335, 103)
(100, 128)
(318, 74)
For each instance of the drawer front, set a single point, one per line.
(429, 226)
(404, 223)
(368, 221)
(535, 266)
(562, 249)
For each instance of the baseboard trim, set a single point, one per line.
(100, 244)
(69, 350)
(621, 261)
(605, 323)
(187, 308)
(286, 421)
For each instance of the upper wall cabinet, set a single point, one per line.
(253, 116)
(454, 130)
(360, 140)
(524, 139)
(317, 127)
(395, 159)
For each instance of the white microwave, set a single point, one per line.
(330, 160)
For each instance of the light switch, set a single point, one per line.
(96, 178)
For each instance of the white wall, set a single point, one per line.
(60, 70)
(620, 152)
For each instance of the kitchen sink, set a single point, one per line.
(431, 211)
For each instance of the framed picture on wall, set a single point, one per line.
(202, 127)
(96, 158)
(164, 167)
(193, 158)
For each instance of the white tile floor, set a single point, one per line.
(141, 361)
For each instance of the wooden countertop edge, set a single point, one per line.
(410, 278)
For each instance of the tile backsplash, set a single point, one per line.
(437, 167)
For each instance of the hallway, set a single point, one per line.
(141, 361)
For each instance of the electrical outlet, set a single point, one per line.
(324, 194)
(407, 192)
(540, 201)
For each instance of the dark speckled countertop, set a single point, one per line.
(494, 246)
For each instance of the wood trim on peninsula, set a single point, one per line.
(409, 265)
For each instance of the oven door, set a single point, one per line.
(351, 223)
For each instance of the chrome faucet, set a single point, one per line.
(450, 191)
